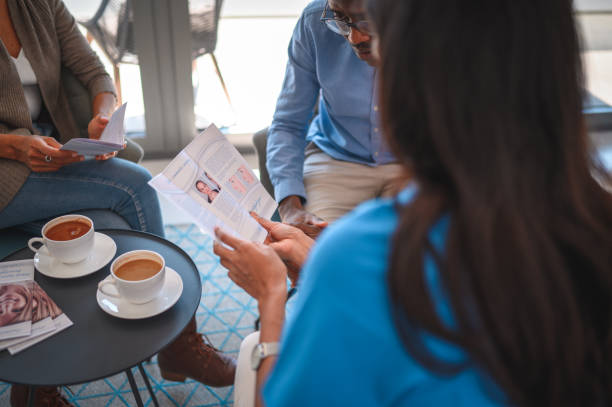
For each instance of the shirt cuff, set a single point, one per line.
(287, 188)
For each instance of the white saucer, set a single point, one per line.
(103, 251)
(120, 308)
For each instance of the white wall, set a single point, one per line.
(231, 8)
(593, 5)
(595, 18)
(250, 8)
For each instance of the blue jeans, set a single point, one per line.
(116, 185)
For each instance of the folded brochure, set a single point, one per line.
(15, 299)
(31, 303)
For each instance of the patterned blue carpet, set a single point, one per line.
(226, 315)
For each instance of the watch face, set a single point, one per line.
(256, 356)
(263, 350)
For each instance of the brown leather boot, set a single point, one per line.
(43, 397)
(190, 356)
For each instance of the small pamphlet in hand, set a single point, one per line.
(112, 139)
(213, 183)
(16, 299)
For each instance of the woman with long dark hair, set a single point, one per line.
(488, 281)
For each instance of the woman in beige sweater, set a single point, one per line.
(38, 180)
(38, 40)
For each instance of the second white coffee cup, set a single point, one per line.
(138, 276)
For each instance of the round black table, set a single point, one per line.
(99, 345)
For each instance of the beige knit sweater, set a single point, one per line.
(50, 39)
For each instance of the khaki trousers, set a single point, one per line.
(334, 187)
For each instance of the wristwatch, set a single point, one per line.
(262, 351)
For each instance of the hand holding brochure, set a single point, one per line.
(212, 182)
(112, 139)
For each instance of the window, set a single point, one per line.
(595, 20)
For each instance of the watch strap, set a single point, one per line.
(263, 350)
(270, 348)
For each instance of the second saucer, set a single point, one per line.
(120, 308)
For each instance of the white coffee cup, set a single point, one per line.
(135, 291)
(67, 251)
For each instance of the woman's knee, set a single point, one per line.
(113, 170)
(131, 173)
(133, 177)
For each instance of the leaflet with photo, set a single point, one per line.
(47, 311)
(212, 182)
(16, 299)
(112, 138)
(23, 300)
(42, 319)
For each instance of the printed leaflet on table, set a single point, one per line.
(33, 304)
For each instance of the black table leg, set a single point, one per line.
(146, 380)
(130, 376)
(31, 391)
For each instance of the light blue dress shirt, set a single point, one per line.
(322, 63)
(340, 345)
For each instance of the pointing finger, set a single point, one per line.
(267, 224)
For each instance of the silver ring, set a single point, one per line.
(48, 158)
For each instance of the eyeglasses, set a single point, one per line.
(343, 26)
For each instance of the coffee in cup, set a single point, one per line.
(138, 269)
(138, 276)
(68, 230)
(68, 238)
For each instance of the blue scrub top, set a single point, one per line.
(340, 346)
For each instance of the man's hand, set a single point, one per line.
(255, 267)
(289, 242)
(293, 213)
(42, 154)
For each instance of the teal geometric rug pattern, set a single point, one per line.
(226, 314)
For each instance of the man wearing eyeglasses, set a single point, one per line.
(323, 166)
